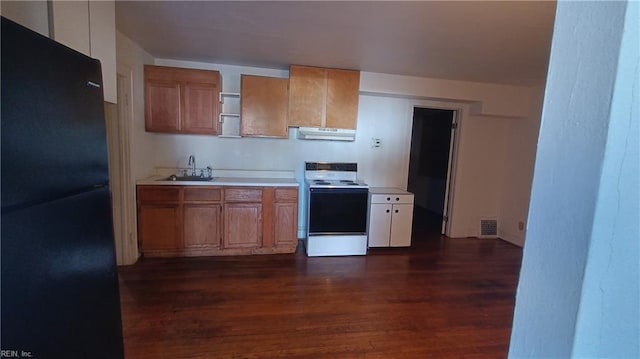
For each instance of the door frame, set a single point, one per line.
(128, 247)
(461, 111)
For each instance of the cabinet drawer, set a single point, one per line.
(158, 193)
(286, 195)
(243, 194)
(392, 198)
(202, 194)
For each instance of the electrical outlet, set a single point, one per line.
(376, 142)
(521, 225)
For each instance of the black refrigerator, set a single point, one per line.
(59, 282)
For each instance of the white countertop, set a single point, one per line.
(387, 190)
(224, 181)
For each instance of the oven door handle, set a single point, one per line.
(338, 234)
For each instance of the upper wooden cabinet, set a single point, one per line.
(321, 97)
(263, 106)
(343, 91)
(179, 100)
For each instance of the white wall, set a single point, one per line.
(609, 315)
(487, 99)
(479, 174)
(584, 203)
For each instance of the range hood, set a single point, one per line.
(323, 133)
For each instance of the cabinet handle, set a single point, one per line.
(387, 211)
(396, 211)
(397, 199)
(388, 198)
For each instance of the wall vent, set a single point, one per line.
(488, 228)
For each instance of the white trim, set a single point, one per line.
(129, 244)
(448, 191)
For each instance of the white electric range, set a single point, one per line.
(337, 209)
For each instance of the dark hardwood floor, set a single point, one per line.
(442, 298)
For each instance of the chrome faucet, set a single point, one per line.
(192, 164)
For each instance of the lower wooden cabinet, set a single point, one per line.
(176, 220)
(202, 226)
(208, 220)
(242, 225)
(159, 219)
(159, 228)
(285, 228)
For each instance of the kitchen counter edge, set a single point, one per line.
(387, 190)
(223, 181)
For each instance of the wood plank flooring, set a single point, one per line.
(442, 298)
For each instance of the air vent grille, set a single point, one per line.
(488, 227)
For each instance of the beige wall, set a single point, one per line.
(31, 14)
(520, 153)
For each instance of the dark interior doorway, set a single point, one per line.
(429, 164)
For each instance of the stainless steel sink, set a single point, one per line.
(187, 178)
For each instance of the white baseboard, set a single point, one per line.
(517, 239)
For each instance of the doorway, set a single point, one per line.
(430, 159)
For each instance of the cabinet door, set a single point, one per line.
(343, 91)
(264, 106)
(102, 31)
(202, 225)
(242, 225)
(379, 225)
(286, 223)
(159, 227)
(200, 108)
(162, 106)
(401, 220)
(307, 96)
(70, 24)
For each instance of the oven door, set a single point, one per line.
(338, 211)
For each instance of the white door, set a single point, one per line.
(401, 221)
(448, 186)
(379, 224)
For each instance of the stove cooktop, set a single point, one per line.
(325, 183)
(332, 175)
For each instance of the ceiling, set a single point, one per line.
(504, 42)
